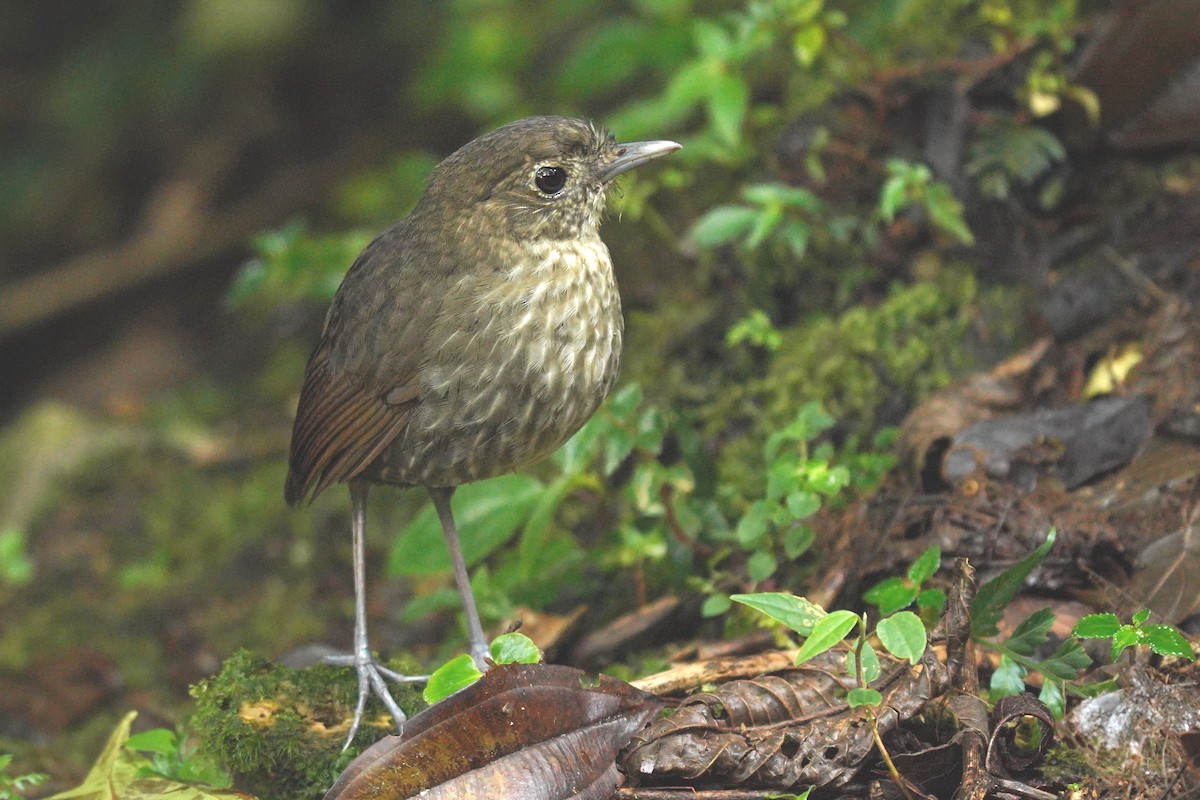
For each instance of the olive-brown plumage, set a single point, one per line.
(474, 336)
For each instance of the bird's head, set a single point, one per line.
(536, 178)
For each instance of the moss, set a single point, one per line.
(866, 367)
(279, 731)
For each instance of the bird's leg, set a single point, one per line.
(370, 674)
(441, 502)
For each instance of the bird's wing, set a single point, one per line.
(340, 428)
(361, 384)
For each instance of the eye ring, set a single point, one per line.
(550, 180)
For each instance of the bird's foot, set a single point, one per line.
(373, 677)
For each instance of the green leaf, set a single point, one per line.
(1126, 636)
(993, 596)
(1052, 697)
(782, 479)
(795, 235)
(1032, 632)
(803, 504)
(728, 101)
(946, 212)
(617, 447)
(826, 634)
(16, 568)
(157, 740)
(903, 635)
(1166, 640)
(1066, 661)
(651, 428)
(781, 194)
(722, 225)
(487, 513)
(797, 539)
(514, 648)
(456, 674)
(932, 600)
(1140, 617)
(752, 527)
(577, 453)
(532, 547)
(590, 66)
(858, 697)
(761, 565)
(1008, 678)
(767, 221)
(808, 44)
(925, 566)
(715, 605)
(798, 613)
(891, 595)
(1097, 626)
(711, 39)
(870, 663)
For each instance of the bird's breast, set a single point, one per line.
(530, 352)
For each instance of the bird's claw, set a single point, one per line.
(371, 678)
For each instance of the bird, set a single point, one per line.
(468, 340)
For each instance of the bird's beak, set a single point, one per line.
(634, 154)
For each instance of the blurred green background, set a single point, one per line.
(183, 184)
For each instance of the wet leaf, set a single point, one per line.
(523, 732)
(797, 613)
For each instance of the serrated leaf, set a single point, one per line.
(798, 613)
(1166, 640)
(1141, 616)
(997, 593)
(1066, 662)
(1097, 626)
(1008, 678)
(1126, 636)
(514, 648)
(455, 675)
(826, 634)
(1032, 632)
(903, 635)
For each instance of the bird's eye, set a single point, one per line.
(550, 180)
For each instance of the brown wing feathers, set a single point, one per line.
(339, 430)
